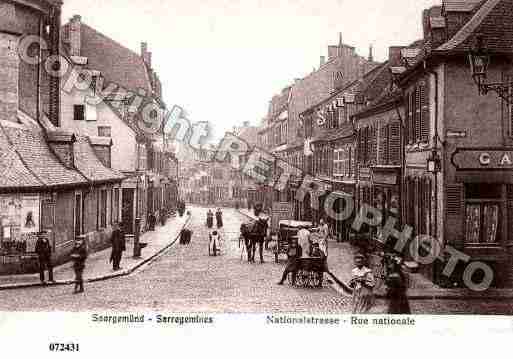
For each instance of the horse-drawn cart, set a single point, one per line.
(286, 238)
(309, 271)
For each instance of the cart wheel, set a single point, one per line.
(302, 278)
(315, 280)
(289, 278)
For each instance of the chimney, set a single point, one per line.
(102, 148)
(62, 143)
(75, 35)
(323, 60)
(371, 55)
(332, 52)
(10, 74)
(145, 54)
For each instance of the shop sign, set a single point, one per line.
(385, 178)
(482, 159)
(456, 134)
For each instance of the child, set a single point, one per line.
(362, 282)
(213, 246)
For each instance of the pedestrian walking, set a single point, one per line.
(210, 219)
(292, 265)
(214, 243)
(362, 282)
(324, 233)
(219, 218)
(44, 254)
(396, 291)
(118, 246)
(79, 256)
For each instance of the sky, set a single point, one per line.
(223, 60)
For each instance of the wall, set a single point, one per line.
(123, 151)
(9, 70)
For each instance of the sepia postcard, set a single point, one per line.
(175, 173)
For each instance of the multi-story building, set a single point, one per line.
(466, 202)
(53, 183)
(138, 152)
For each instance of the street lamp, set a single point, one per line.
(479, 59)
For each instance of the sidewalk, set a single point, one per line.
(97, 264)
(340, 264)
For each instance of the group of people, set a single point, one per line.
(214, 237)
(78, 256)
(308, 245)
(363, 282)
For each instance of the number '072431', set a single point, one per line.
(64, 347)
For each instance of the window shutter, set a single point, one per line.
(411, 133)
(424, 114)
(374, 144)
(395, 143)
(510, 107)
(408, 119)
(417, 115)
(382, 153)
(455, 213)
(510, 212)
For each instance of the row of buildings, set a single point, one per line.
(411, 136)
(70, 168)
(209, 177)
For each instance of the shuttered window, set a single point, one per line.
(424, 113)
(383, 145)
(510, 107)
(395, 143)
(417, 115)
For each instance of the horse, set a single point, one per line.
(254, 232)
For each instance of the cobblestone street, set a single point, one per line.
(186, 279)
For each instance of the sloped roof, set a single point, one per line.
(37, 158)
(491, 20)
(90, 166)
(460, 5)
(117, 63)
(14, 173)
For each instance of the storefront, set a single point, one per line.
(342, 228)
(479, 209)
(386, 195)
(20, 224)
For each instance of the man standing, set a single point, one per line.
(44, 252)
(303, 240)
(79, 256)
(118, 246)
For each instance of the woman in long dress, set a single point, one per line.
(219, 218)
(210, 219)
(362, 282)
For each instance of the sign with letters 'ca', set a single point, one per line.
(481, 159)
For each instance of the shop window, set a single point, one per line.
(482, 213)
(103, 208)
(115, 205)
(79, 217)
